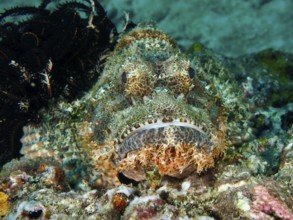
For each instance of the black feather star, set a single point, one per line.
(44, 55)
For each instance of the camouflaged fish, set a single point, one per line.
(148, 112)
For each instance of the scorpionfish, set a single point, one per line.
(149, 112)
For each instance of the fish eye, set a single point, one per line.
(178, 75)
(191, 72)
(124, 77)
(138, 78)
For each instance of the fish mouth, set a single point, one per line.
(166, 134)
(173, 148)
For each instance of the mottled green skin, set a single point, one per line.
(117, 108)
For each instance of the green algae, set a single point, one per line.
(278, 63)
(195, 48)
(279, 67)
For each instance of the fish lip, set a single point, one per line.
(165, 124)
(160, 124)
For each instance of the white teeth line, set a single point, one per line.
(173, 123)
